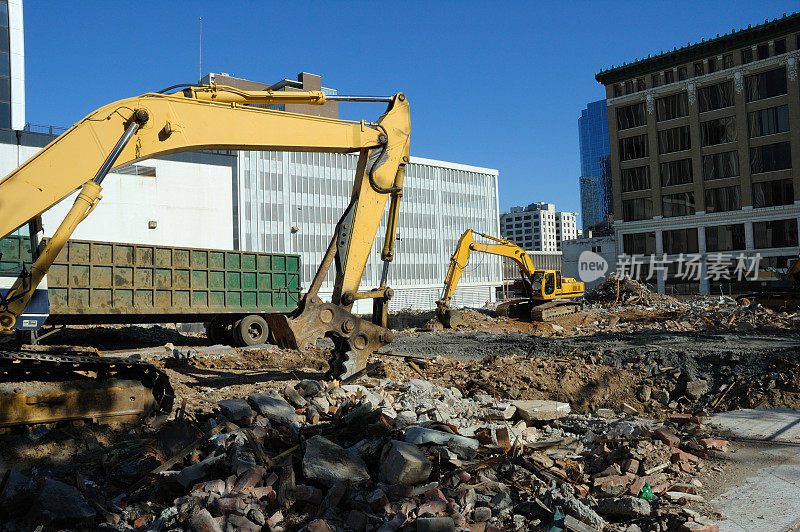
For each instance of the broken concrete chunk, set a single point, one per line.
(61, 502)
(435, 524)
(238, 411)
(421, 435)
(539, 410)
(329, 463)
(203, 522)
(404, 463)
(294, 397)
(200, 471)
(624, 507)
(696, 389)
(582, 513)
(274, 408)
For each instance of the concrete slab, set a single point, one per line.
(760, 424)
(768, 497)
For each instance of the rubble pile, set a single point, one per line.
(621, 289)
(377, 457)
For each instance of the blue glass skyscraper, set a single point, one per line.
(595, 180)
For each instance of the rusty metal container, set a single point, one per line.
(108, 282)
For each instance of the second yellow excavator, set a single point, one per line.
(548, 294)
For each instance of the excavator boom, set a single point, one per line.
(225, 118)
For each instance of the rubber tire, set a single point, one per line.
(251, 330)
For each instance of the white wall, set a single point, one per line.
(190, 203)
(571, 250)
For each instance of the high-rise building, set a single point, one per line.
(538, 227)
(12, 66)
(705, 150)
(595, 180)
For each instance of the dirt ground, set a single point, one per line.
(598, 358)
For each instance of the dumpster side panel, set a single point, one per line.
(115, 279)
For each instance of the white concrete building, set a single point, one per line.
(538, 227)
(604, 246)
(290, 202)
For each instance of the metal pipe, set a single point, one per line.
(112, 157)
(338, 98)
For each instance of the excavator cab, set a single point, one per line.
(550, 284)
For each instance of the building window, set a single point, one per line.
(718, 131)
(635, 178)
(678, 204)
(669, 76)
(747, 56)
(723, 199)
(712, 65)
(656, 80)
(727, 61)
(640, 86)
(721, 165)
(680, 241)
(725, 237)
(631, 116)
(772, 193)
(770, 158)
(637, 209)
(682, 73)
(629, 87)
(675, 139)
(633, 147)
(766, 85)
(670, 107)
(617, 91)
(676, 172)
(775, 234)
(698, 68)
(763, 51)
(716, 96)
(780, 46)
(768, 121)
(639, 244)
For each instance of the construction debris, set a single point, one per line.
(380, 456)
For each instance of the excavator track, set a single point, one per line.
(46, 388)
(552, 310)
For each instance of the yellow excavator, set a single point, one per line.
(187, 118)
(548, 295)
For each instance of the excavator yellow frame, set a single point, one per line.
(225, 118)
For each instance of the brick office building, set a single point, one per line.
(705, 149)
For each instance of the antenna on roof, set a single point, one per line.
(200, 51)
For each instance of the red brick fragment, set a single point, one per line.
(582, 490)
(636, 486)
(693, 526)
(716, 445)
(318, 525)
(684, 488)
(682, 456)
(680, 418)
(667, 436)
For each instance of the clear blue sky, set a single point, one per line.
(495, 84)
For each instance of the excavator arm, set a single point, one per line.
(458, 261)
(224, 118)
